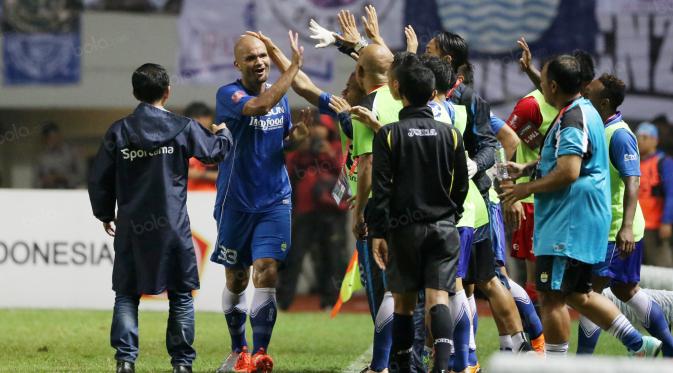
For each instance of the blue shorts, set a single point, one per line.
(618, 269)
(497, 233)
(244, 237)
(466, 238)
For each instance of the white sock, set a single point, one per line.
(588, 327)
(458, 305)
(556, 350)
(261, 298)
(518, 339)
(518, 293)
(641, 303)
(232, 300)
(505, 343)
(385, 312)
(620, 326)
(473, 305)
(473, 312)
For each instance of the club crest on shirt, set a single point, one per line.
(544, 277)
(237, 96)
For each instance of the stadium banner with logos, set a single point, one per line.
(55, 254)
(630, 38)
(41, 42)
(208, 30)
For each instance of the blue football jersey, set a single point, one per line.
(253, 178)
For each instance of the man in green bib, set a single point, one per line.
(621, 267)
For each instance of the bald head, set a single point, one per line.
(252, 59)
(375, 60)
(245, 45)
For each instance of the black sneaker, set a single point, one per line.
(182, 369)
(125, 367)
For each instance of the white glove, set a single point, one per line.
(324, 36)
(471, 168)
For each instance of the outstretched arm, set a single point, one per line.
(301, 84)
(526, 63)
(261, 104)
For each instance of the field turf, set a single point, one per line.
(78, 341)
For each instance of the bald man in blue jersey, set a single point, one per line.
(253, 205)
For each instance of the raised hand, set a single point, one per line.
(526, 56)
(297, 50)
(412, 40)
(371, 23)
(350, 35)
(339, 105)
(323, 36)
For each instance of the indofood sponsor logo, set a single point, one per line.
(273, 120)
(57, 253)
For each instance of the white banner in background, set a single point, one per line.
(55, 254)
(208, 30)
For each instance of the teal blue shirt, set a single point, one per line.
(574, 221)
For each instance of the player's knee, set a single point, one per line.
(551, 299)
(405, 303)
(266, 273)
(490, 287)
(578, 300)
(624, 292)
(237, 279)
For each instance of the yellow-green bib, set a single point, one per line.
(524, 154)
(617, 196)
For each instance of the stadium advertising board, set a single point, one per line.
(55, 254)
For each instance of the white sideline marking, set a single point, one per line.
(362, 361)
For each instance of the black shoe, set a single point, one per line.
(182, 369)
(125, 367)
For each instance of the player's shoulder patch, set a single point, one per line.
(237, 96)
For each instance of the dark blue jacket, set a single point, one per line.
(141, 167)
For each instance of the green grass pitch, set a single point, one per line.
(78, 341)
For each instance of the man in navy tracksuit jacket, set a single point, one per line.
(141, 167)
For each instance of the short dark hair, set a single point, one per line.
(467, 71)
(454, 45)
(198, 109)
(444, 77)
(565, 70)
(614, 89)
(404, 59)
(587, 65)
(417, 83)
(150, 82)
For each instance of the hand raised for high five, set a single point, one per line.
(297, 50)
(350, 35)
(526, 56)
(323, 36)
(371, 23)
(412, 39)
